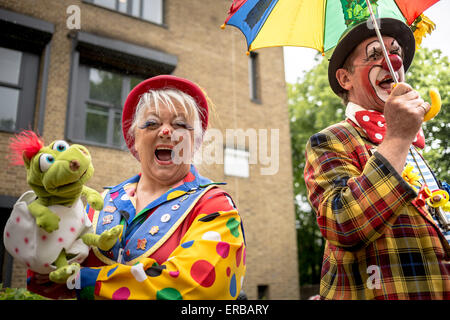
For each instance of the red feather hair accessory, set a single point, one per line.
(25, 143)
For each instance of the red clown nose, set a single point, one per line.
(396, 62)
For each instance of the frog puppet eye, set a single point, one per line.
(45, 161)
(60, 146)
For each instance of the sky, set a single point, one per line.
(298, 60)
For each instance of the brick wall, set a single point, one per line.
(216, 60)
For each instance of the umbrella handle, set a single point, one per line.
(435, 105)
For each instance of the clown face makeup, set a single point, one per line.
(163, 137)
(370, 81)
(379, 76)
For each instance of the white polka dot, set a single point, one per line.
(138, 272)
(421, 133)
(415, 139)
(366, 118)
(378, 136)
(211, 235)
(381, 125)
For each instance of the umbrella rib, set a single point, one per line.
(324, 25)
(267, 14)
(380, 38)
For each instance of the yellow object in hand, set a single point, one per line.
(435, 105)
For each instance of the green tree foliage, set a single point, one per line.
(313, 106)
(432, 69)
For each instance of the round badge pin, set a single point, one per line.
(165, 217)
(175, 207)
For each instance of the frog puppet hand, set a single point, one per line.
(57, 174)
(94, 198)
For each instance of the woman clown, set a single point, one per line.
(182, 236)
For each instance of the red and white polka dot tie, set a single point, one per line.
(374, 124)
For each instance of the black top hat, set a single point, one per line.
(360, 32)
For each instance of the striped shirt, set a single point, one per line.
(416, 160)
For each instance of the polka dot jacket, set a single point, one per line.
(187, 244)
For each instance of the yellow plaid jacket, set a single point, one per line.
(380, 244)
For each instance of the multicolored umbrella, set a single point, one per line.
(314, 24)
(319, 24)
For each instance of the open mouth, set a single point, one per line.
(68, 184)
(64, 189)
(385, 83)
(164, 154)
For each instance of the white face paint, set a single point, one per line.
(381, 79)
(370, 83)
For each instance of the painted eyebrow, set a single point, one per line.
(180, 116)
(396, 44)
(393, 43)
(367, 46)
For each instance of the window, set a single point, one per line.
(101, 95)
(150, 10)
(18, 79)
(10, 62)
(236, 163)
(253, 77)
(110, 4)
(23, 42)
(103, 73)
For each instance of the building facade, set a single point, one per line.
(66, 68)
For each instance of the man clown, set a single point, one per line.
(383, 241)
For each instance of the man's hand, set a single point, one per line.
(404, 111)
